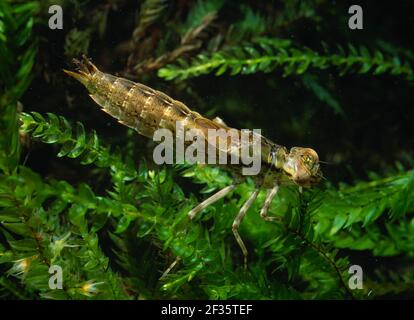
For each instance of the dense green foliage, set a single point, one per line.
(272, 54)
(80, 191)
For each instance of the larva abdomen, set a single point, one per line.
(133, 104)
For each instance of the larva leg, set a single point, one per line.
(215, 197)
(238, 220)
(172, 265)
(270, 195)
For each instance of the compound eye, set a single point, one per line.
(272, 157)
(308, 160)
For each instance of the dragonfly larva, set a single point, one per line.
(146, 110)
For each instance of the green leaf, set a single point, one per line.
(77, 216)
(23, 245)
(338, 223)
(80, 142)
(123, 224)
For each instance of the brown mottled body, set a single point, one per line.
(146, 110)
(133, 104)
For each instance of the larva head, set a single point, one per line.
(302, 166)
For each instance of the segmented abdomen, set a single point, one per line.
(136, 105)
(133, 104)
(146, 110)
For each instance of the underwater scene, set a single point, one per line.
(206, 150)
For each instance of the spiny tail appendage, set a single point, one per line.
(85, 69)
